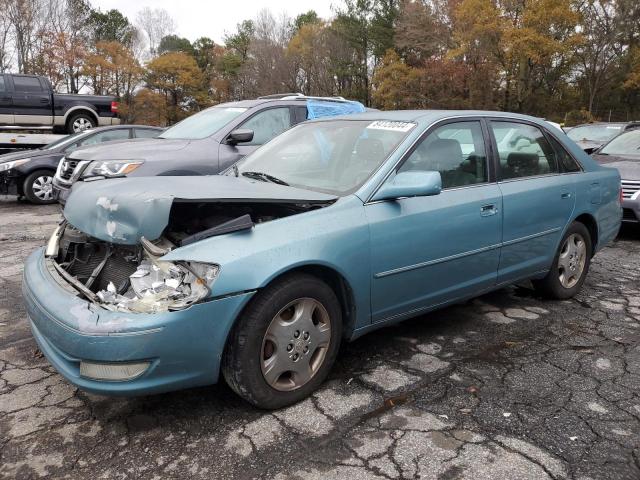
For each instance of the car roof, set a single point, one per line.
(428, 116)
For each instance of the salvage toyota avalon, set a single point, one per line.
(333, 229)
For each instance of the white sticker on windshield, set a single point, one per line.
(390, 125)
(235, 109)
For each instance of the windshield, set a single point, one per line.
(65, 140)
(627, 144)
(596, 133)
(334, 157)
(202, 124)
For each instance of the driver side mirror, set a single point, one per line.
(240, 135)
(410, 184)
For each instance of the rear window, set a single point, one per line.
(27, 84)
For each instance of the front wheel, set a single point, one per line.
(38, 187)
(570, 265)
(285, 343)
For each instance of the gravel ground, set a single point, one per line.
(505, 386)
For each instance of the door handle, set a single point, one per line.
(488, 210)
(565, 195)
(44, 100)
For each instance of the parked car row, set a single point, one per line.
(335, 227)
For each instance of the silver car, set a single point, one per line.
(623, 153)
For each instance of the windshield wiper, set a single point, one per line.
(264, 177)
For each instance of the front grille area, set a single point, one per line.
(628, 215)
(68, 167)
(630, 187)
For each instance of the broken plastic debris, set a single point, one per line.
(172, 282)
(506, 414)
(573, 439)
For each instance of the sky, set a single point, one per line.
(212, 18)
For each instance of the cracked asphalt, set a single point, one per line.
(504, 386)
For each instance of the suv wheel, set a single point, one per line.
(38, 187)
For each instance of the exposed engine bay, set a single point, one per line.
(132, 278)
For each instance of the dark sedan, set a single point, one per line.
(623, 153)
(29, 173)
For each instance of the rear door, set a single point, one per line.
(31, 101)
(266, 124)
(538, 198)
(6, 105)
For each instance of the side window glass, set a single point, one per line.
(146, 133)
(565, 161)
(268, 124)
(106, 136)
(524, 151)
(456, 150)
(27, 84)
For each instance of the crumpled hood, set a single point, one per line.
(136, 149)
(629, 169)
(10, 157)
(123, 210)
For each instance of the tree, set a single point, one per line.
(113, 70)
(176, 75)
(25, 17)
(111, 26)
(156, 24)
(174, 43)
(310, 54)
(308, 18)
(396, 84)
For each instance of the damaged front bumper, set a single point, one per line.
(180, 349)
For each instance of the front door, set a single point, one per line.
(6, 105)
(426, 251)
(265, 124)
(31, 101)
(538, 199)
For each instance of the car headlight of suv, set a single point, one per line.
(111, 168)
(4, 167)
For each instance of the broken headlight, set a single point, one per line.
(158, 286)
(111, 168)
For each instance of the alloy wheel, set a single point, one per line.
(43, 188)
(81, 124)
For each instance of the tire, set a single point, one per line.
(38, 187)
(563, 282)
(80, 122)
(263, 342)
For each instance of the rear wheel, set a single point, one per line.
(38, 187)
(80, 122)
(285, 343)
(570, 265)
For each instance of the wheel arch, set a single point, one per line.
(335, 280)
(80, 109)
(592, 226)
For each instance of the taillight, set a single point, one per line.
(114, 107)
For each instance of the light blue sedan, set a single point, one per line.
(333, 229)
